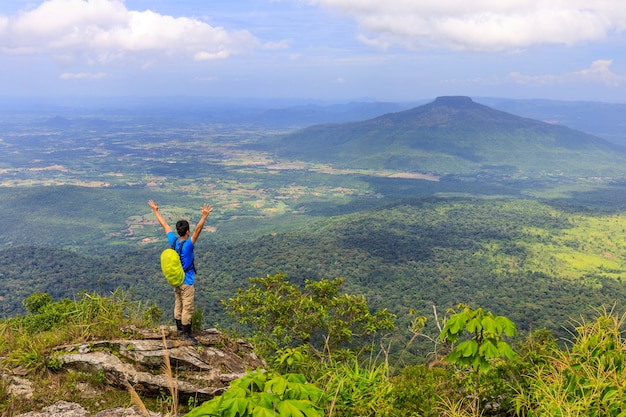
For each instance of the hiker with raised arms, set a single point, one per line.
(183, 245)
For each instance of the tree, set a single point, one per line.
(319, 316)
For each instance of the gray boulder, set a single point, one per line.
(200, 371)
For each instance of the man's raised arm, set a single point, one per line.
(155, 209)
(206, 210)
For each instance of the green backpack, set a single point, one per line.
(171, 265)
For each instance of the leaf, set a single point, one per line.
(474, 325)
(268, 400)
(260, 411)
(477, 362)
(289, 408)
(251, 380)
(277, 385)
(467, 348)
(300, 391)
(455, 324)
(296, 378)
(209, 408)
(454, 356)
(507, 326)
(312, 412)
(489, 349)
(505, 350)
(234, 407)
(609, 393)
(234, 392)
(489, 325)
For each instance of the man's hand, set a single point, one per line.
(154, 206)
(155, 209)
(206, 210)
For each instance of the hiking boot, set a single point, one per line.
(179, 327)
(187, 336)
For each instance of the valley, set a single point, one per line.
(540, 248)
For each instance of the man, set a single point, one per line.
(184, 294)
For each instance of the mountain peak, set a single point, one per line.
(453, 101)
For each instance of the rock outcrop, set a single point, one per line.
(200, 371)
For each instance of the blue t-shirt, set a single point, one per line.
(186, 256)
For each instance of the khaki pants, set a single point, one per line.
(183, 303)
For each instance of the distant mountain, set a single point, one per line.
(456, 136)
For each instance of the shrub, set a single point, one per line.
(36, 301)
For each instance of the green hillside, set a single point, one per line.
(454, 135)
(536, 263)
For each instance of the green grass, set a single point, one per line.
(591, 245)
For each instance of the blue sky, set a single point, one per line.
(337, 50)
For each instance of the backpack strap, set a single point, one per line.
(180, 251)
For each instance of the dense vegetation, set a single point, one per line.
(328, 355)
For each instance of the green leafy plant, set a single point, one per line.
(506, 378)
(265, 394)
(483, 345)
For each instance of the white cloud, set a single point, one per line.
(101, 31)
(482, 25)
(598, 72)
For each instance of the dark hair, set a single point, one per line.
(182, 227)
